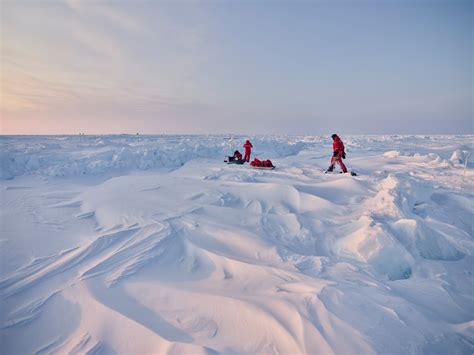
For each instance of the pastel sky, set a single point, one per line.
(240, 66)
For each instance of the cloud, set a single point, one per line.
(33, 92)
(99, 43)
(112, 14)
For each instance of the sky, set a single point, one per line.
(237, 66)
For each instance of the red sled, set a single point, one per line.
(262, 164)
(263, 167)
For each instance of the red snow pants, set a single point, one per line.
(337, 159)
(247, 155)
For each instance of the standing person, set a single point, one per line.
(338, 154)
(248, 149)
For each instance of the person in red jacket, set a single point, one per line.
(338, 154)
(248, 149)
(237, 155)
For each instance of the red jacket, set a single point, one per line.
(337, 145)
(248, 146)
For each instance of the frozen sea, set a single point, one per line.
(122, 244)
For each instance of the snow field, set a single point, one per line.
(204, 257)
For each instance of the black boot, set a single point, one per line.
(330, 169)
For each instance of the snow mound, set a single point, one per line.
(459, 157)
(205, 257)
(391, 154)
(97, 155)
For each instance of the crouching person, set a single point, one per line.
(236, 158)
(237, 155)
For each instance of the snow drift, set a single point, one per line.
(104, 251)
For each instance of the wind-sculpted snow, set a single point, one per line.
(96, 155)
(214, 258)
(118, 154)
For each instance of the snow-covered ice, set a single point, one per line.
(151, 244)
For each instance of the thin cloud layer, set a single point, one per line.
(169, 67)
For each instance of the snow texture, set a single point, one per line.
(151, 244)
